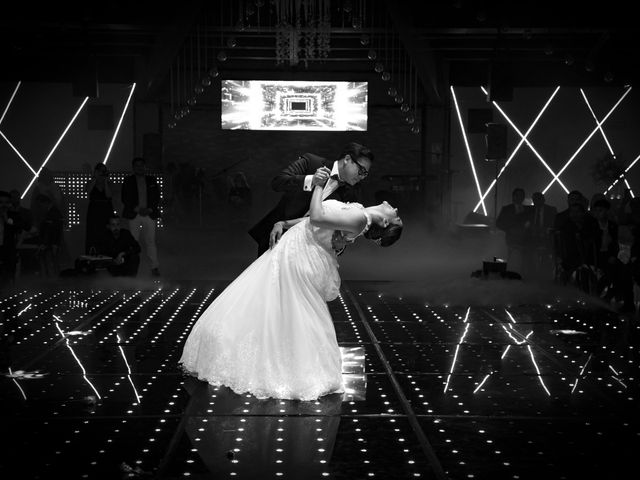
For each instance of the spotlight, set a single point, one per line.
(213, 72)
(392, 91)
(404, 108)
(222, 56)
(608, 77)
(364, 39)
(548, 50)
(386, 76)
(589, 66)
(199, 89)
(206, 81)
(232, 42)
(378, 67)
(568, 59)
(372, 54)
(415, 129)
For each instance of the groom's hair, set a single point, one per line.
(355, 151)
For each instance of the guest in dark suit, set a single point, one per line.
(122, 247)
(574, 196)
(515, 220)
(297, 180)
(50, 231)
(576, 244)
(9, 229)
(541, 238)
(100, 207)
(141, 200)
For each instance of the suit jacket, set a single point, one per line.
(513, 224)
(295, 202)
(130, 196)
(112, 246)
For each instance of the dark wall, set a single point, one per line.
(199, 140)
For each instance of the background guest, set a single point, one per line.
(141, 199)
(100, 206)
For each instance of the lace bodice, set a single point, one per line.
(323, 235)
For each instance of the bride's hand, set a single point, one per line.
(321, 177)
(276, 233)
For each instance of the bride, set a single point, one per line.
(269, 333)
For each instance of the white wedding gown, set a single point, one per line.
(269, 333)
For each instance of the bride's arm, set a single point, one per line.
(348, 220)
(287, 224)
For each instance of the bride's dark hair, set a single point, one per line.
(384, 236)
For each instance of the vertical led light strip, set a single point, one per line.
(55, 146)
(606, 140)
(466, 143)
(523, 139)
(557, 177)
(115, 134)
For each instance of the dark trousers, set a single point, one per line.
(127, 269)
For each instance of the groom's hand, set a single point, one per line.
(321, 176)
(276, 233)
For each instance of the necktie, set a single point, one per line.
(337, 179)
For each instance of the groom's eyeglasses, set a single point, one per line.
(363, 172)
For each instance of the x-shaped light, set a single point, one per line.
(523, 139)
(6, 109)
(55, 146)
(598, 125)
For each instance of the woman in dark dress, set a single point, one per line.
(100, 207)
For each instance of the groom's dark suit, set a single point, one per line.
(295, 201)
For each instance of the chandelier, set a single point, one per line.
(303, 30)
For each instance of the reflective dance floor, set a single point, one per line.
(91, 389)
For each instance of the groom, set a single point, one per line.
(299, 178)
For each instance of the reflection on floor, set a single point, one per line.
(92, 390)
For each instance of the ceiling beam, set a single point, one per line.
(419, 50)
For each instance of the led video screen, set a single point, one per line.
(293, 105)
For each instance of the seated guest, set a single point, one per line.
(9, 228)
(49, 235)
(613, 273)
(122, 247)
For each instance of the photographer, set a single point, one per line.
(100, 207)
